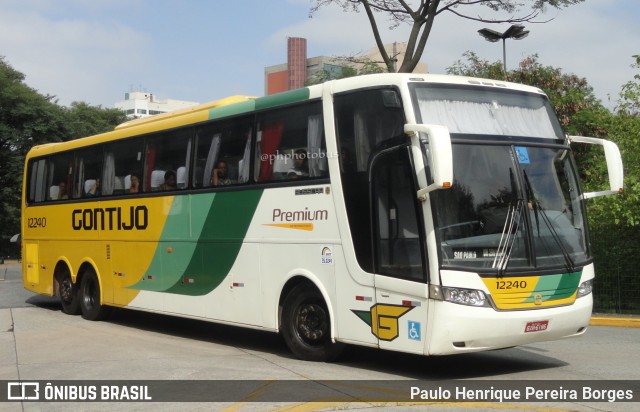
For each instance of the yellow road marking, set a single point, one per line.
(624, 322)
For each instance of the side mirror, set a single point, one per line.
(614, 165)
(439, 155)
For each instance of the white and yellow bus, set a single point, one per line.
(417, 213)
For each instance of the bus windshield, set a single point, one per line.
(487, 111)
(512, 206)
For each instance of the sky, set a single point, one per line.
(202, 50)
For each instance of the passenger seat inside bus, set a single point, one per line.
(281, 165)
(118, 185)
(181, 177)
(54, 192)
(89, 185)
(157, 180)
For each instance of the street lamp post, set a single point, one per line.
(516, 32)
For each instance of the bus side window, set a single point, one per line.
(220, 150)
(37, 186)
(122, 160)
(166, 153)
(50, 178)
(291, 144)
(88, 172)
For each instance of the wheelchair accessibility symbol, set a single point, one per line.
(523, 155)
(414, 330)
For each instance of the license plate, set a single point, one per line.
(537, 326)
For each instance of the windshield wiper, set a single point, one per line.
(509, 231)
(537, 206)
(508, 237)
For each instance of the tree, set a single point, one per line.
(85, 120)
(615, 220)
(629, 103)
(28, 118)
(422, 17)
(624, 129)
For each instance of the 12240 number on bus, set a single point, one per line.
(36, 222)
(511, 284)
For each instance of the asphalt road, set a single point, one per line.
(39, 342)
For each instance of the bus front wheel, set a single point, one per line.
(68, 292)
(90, 304)
(306, 325)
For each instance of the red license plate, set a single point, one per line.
(537, 326)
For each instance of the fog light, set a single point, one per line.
(585, 288)
(470, 297)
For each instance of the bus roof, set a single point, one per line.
(177, 113)
(238, 104)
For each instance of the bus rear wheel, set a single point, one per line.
(306, 325)
(68, 292)
(90, 304)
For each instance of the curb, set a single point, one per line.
(622, 322)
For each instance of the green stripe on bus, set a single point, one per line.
(266, 102)
(554, 287)
(220, 241)
(232, 109)
(219, 222)
(292, 96)
(167, 268)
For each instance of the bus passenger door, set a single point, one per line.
(400, 314)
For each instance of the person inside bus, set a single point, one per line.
(169, 181)
(62, 194)
(220, 174)
(300, 167)
(135, 184)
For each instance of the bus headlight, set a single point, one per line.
(470, 297)
(585, 288)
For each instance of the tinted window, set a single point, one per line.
(123, 166)
(167, 161)
(88, 173)
(290, 144)
(365, 120)
(223, 153)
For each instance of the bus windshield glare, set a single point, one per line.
(512, 206)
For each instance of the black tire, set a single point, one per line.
(90, 304)
(68, 293)
(306, 325)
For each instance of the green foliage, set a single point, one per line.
(28, 118)
(85, 120)
(629, 103)
(474, 66)
(624, 129)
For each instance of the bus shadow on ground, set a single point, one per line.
(463, 366)
(51, 303)
(489, 364)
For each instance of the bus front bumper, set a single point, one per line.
(459, 328)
